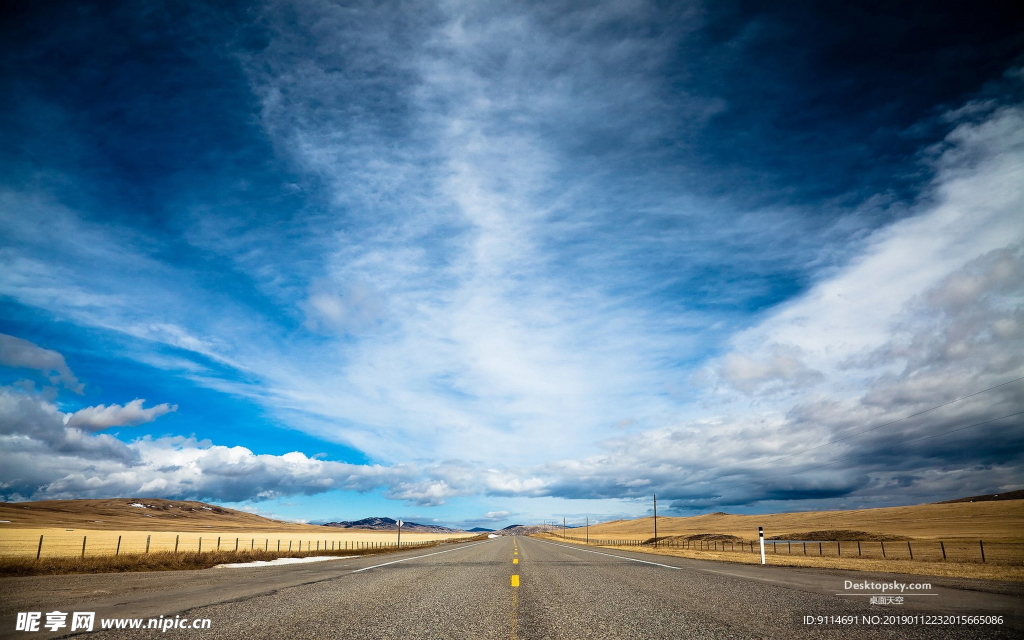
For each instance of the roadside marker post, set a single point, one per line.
(400, 523)
(760, 537)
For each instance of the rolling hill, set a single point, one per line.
(151, 514)
(988, 519)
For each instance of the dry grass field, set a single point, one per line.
(928, 567)
(996, 521)
(109, 527)
(928, 539)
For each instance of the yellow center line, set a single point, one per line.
(515, 560)
(515, 580)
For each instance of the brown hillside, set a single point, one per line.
(988, 520)
(154, 515)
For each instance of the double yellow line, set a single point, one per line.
(515, 560)
(513, 622)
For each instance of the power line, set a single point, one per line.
(861, 455)
(913, 415)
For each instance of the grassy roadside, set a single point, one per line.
(168, 561)
(942, 569)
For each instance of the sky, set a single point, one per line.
(479, 264)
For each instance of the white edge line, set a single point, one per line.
(723, 573)
(611, 555)
(668, 566)
(418, 557)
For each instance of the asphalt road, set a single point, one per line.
(466, 591)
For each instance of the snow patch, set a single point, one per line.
(138, 505)
(279, 561)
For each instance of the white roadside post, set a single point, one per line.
(760, 536)
(400, 534)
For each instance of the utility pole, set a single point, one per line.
(588, 529)
(655, 519)
(400, 523)
(563, 527)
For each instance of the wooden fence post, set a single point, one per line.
(176, 542)
(858, 548)
(883, 548)
(147, 542)
(942, 546)
(981, 543)
(910, 550)
(118, 550)
(236, 545)
(39, 551)
(200, 544)
(83, 545)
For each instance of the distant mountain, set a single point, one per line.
(388, 524)
(524, 530)
(479, 530)
(1009, 495)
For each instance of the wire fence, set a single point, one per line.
(979, 551)
(114, 543)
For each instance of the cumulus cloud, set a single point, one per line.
(44, 458)
(780, 367)
(496, 516)
(929, 312)
(15, 352)
(102, 417)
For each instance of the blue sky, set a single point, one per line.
(490, 263)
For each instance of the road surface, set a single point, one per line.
(466, 591)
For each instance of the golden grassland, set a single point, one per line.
(114, 526)
(974, 570)
(167, 561)
(957, 526)
(68, 542)
(996, 521)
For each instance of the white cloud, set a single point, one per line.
(932, 309)
(782, 366)
(18, 353)
(130, 415)
(46, 459)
